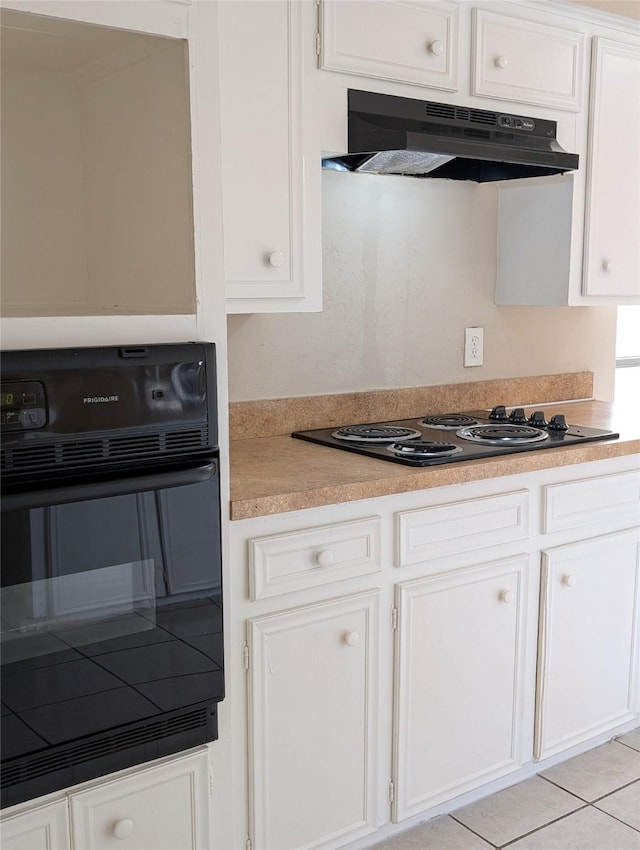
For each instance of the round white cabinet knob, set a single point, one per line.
(351, 638)
(123, 828)
(606, 266)
(506, 596)
(276, 259)
(568, 580)
(325, 558)
(501, 62)
(436, 47)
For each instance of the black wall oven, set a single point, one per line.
(111, 607)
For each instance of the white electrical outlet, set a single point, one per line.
(473, 346)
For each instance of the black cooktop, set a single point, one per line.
(453, 437)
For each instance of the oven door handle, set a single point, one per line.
(110, 487)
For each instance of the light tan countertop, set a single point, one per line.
(276, 473)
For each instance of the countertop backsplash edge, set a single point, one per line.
(273, 417)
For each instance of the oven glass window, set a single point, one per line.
(111, 613)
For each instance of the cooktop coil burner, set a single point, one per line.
(503, 434)
(375, 434)
(448, 420)
(423, 449)
(456, 437)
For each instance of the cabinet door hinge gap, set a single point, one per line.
(394, 618)
(247, 844)
(317, 41)
(391, 791)
(245, 657)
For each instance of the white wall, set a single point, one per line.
(407, 264)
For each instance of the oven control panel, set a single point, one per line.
(22, 405)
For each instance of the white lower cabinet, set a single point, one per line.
(588, 645)
(313, 723)
(459, 682)
(408, 652)
(44, 828)
(165, 807)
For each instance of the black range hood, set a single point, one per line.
(418, 138)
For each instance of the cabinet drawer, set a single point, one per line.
(282, 563)
(606, 501)
(411, 42)
(445, 530)
(527, 62)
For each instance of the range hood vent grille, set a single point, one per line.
(461, 113)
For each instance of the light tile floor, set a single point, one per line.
(591, 802)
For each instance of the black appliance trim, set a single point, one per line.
(143, 448)
(73, 457)
(65, 765)
(484, 145)
(117, 486)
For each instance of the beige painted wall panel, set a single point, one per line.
(138, 188)
(43, 257)
(627, 8)
(407, 264)
(96, 186)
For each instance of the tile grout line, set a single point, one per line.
(562, 788)
(615, 791)
(624, 744)
(473, 832)
(586, 805)
(596, 799)
(615, 817)
(543, 826)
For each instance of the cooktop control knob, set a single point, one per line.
(517, 416)
(498, 414)
(557, 423)
(537, 419)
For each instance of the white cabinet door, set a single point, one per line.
(45, 828)
(271, 178)
(588, 645)
(312, 724)
(414, 42)
(612, 246)
(161, 808)
(459, 682)
(527, 61)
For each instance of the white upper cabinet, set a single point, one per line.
(612, 221)
(411, 42)
(574, 239)
(526, 61)
(271, 168)
(563, 240)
